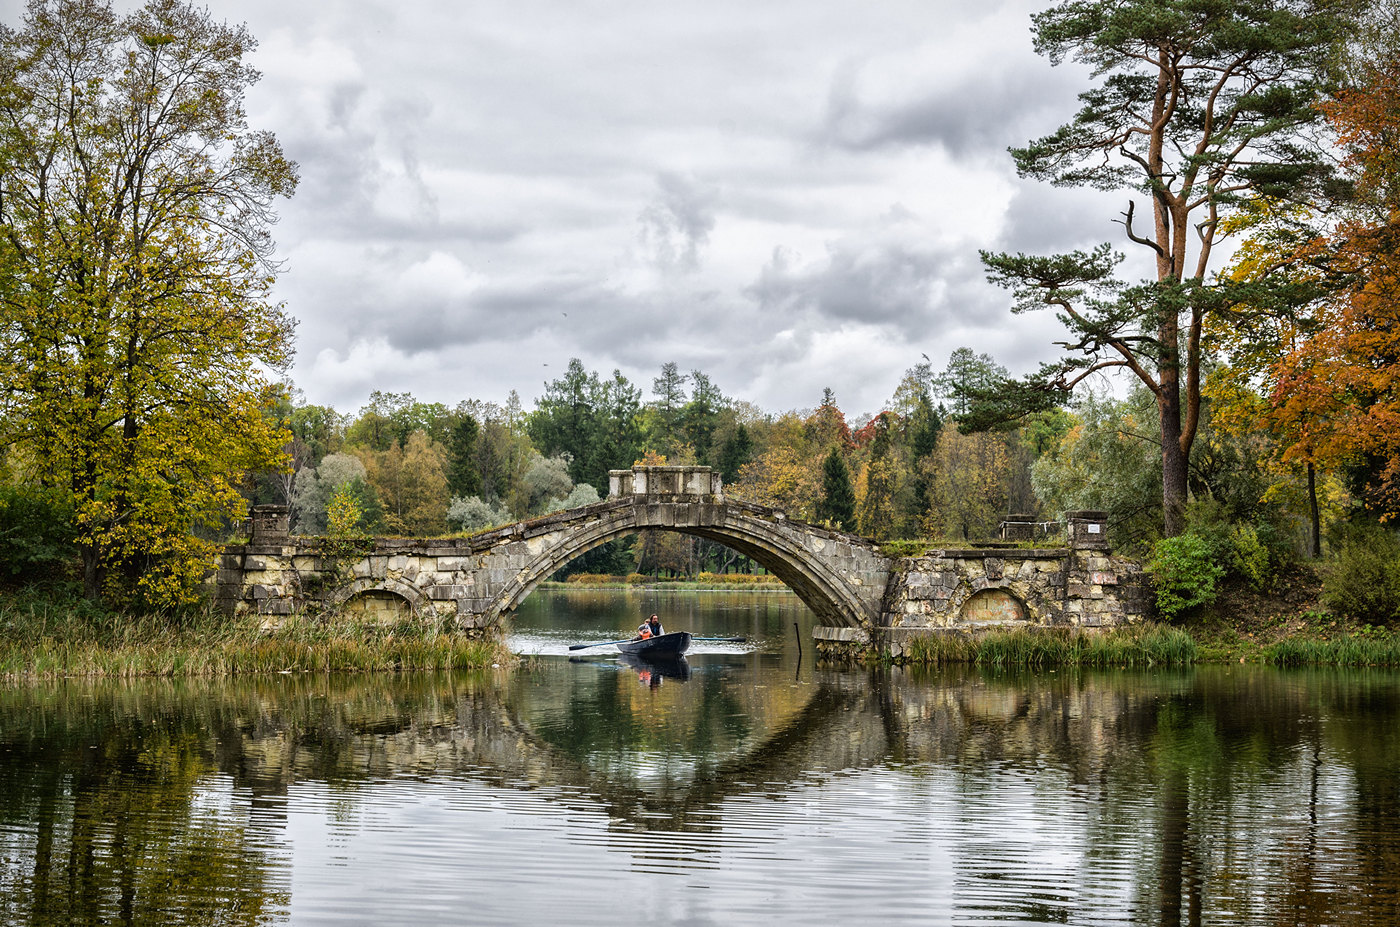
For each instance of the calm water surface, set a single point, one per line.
(747, 786)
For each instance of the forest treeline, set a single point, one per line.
(404, 467)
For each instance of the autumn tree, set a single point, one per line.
(315, 486)
(135, 279)
(780, 477)
(411, 481)
(967, 491)
(1336, 394)
(879, 480)
(1197, 105)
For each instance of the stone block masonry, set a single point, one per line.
(863, 600)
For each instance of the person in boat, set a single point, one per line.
(650, 628)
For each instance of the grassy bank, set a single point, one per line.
(1149, 645)
(1155, 645)
(47, 640)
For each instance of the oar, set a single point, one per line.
(727, 640)
(601, 644)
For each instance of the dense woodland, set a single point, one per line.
(1236, 410)
(411, 468)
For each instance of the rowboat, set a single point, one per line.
(667, 645)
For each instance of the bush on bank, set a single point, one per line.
(1364, 584)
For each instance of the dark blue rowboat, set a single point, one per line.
(667, 645)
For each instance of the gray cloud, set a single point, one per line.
(676, 225)
(709, 183)
(979, 114)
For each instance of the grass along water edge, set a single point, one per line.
(39, 641)
(1138, 646)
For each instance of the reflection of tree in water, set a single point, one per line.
(102, 816)
(1167, 769)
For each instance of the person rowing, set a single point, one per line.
(650, 628)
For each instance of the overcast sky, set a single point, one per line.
(785, 195)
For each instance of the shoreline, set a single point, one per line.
(54, 637)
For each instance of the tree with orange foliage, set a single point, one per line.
(1327, 373)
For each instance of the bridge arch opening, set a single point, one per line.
(778, 548)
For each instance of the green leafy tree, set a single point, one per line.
(1197, 105)
(1186, 574)
(664, 413)
(1108, 459)
(967, 376)
(700, 416)
(837, 505)
(924, 424)
(136, 326)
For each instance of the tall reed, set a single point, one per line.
(1144, 645)
(38, 640)
(1382, 649)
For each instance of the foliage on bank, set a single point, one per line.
(46, 640)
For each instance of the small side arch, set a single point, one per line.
(993, 605)
(365, 587)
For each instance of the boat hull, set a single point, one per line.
(667, 645)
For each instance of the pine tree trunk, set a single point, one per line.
(1174, 462)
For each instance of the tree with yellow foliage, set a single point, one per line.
(136, 329)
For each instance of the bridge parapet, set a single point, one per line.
(660, 482)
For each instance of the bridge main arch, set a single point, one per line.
(841, 577)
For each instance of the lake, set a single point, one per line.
(745, 786)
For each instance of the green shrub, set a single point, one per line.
(1186, 573)
(1249, 558)
(1364, 584)
(36, 534)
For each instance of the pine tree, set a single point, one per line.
(837, 505)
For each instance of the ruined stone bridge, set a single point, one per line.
(859, 595)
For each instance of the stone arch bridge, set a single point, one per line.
(860, 596)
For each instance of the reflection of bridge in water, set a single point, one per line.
(851, 722)
(859, 595)
(1158, 770)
